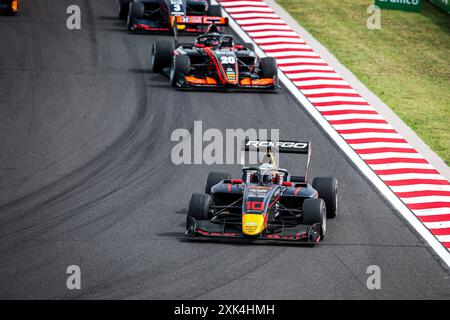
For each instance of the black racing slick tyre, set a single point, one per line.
(136, 11)
(327, 187)
(214, 178)
(161, 55)
(180, 68)
(269, 67)
(124, 6)
(314, 211)
(249, 46)
(214, 11)
(199, 206)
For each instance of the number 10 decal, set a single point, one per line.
(255, 205)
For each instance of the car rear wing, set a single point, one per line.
(180, 23)
(280, 146)
(200, 20)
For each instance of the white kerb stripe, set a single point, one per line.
(401, 165)
(445, 238)
(316, 74)
(407, 176)
(374, 145)
(279, 40)
(254, 14)
(328, 90)
(243, 3)
(420, 187)
(353, 116)
(437, 225)
(387, 155)
(317, 82)
(426, 199)
(235, 10)
(265, 27)
(273, 34)
(367, 135)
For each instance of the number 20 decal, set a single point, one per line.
(227, 60)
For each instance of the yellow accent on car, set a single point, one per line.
(181, 26)
(252, 224)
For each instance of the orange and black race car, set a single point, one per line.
(190, 16)
(9, 7)
(214, 61)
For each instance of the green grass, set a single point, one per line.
(406, 63)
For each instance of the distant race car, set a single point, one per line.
(9, 7)
(192, 16)
(214, 61)
(267, 203)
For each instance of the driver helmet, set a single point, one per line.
(267, 175)
(227, 42)
(214, 42)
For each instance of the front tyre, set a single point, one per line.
(314, 212)
(180, 68)
(136, 11)
(161, 55)
(214, 178)
(214, 11)
(268, 67)
(124, 6)
(199, 206)
(327, 187)
(249, 46)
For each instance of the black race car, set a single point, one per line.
(214, 61)
(192, 16)
(266, 203)
(9, 7)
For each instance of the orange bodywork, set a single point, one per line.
(204, 81)
(15, 6)
(243, 82)
(256, 82)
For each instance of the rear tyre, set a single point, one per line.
(180, 68)
(249, 46)
(214, 178)
(161, 55)
(269, 67)
(327, 187)
(214, 11)
(124, 6)
(136, 11)
(199, 206)
(314, 211)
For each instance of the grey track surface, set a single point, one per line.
(86, 179)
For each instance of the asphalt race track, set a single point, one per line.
(86, 179)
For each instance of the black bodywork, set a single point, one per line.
(9, 7)
(283, 204)
(192, 16)
(240, 63)
(286, 208)
(215, 61)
